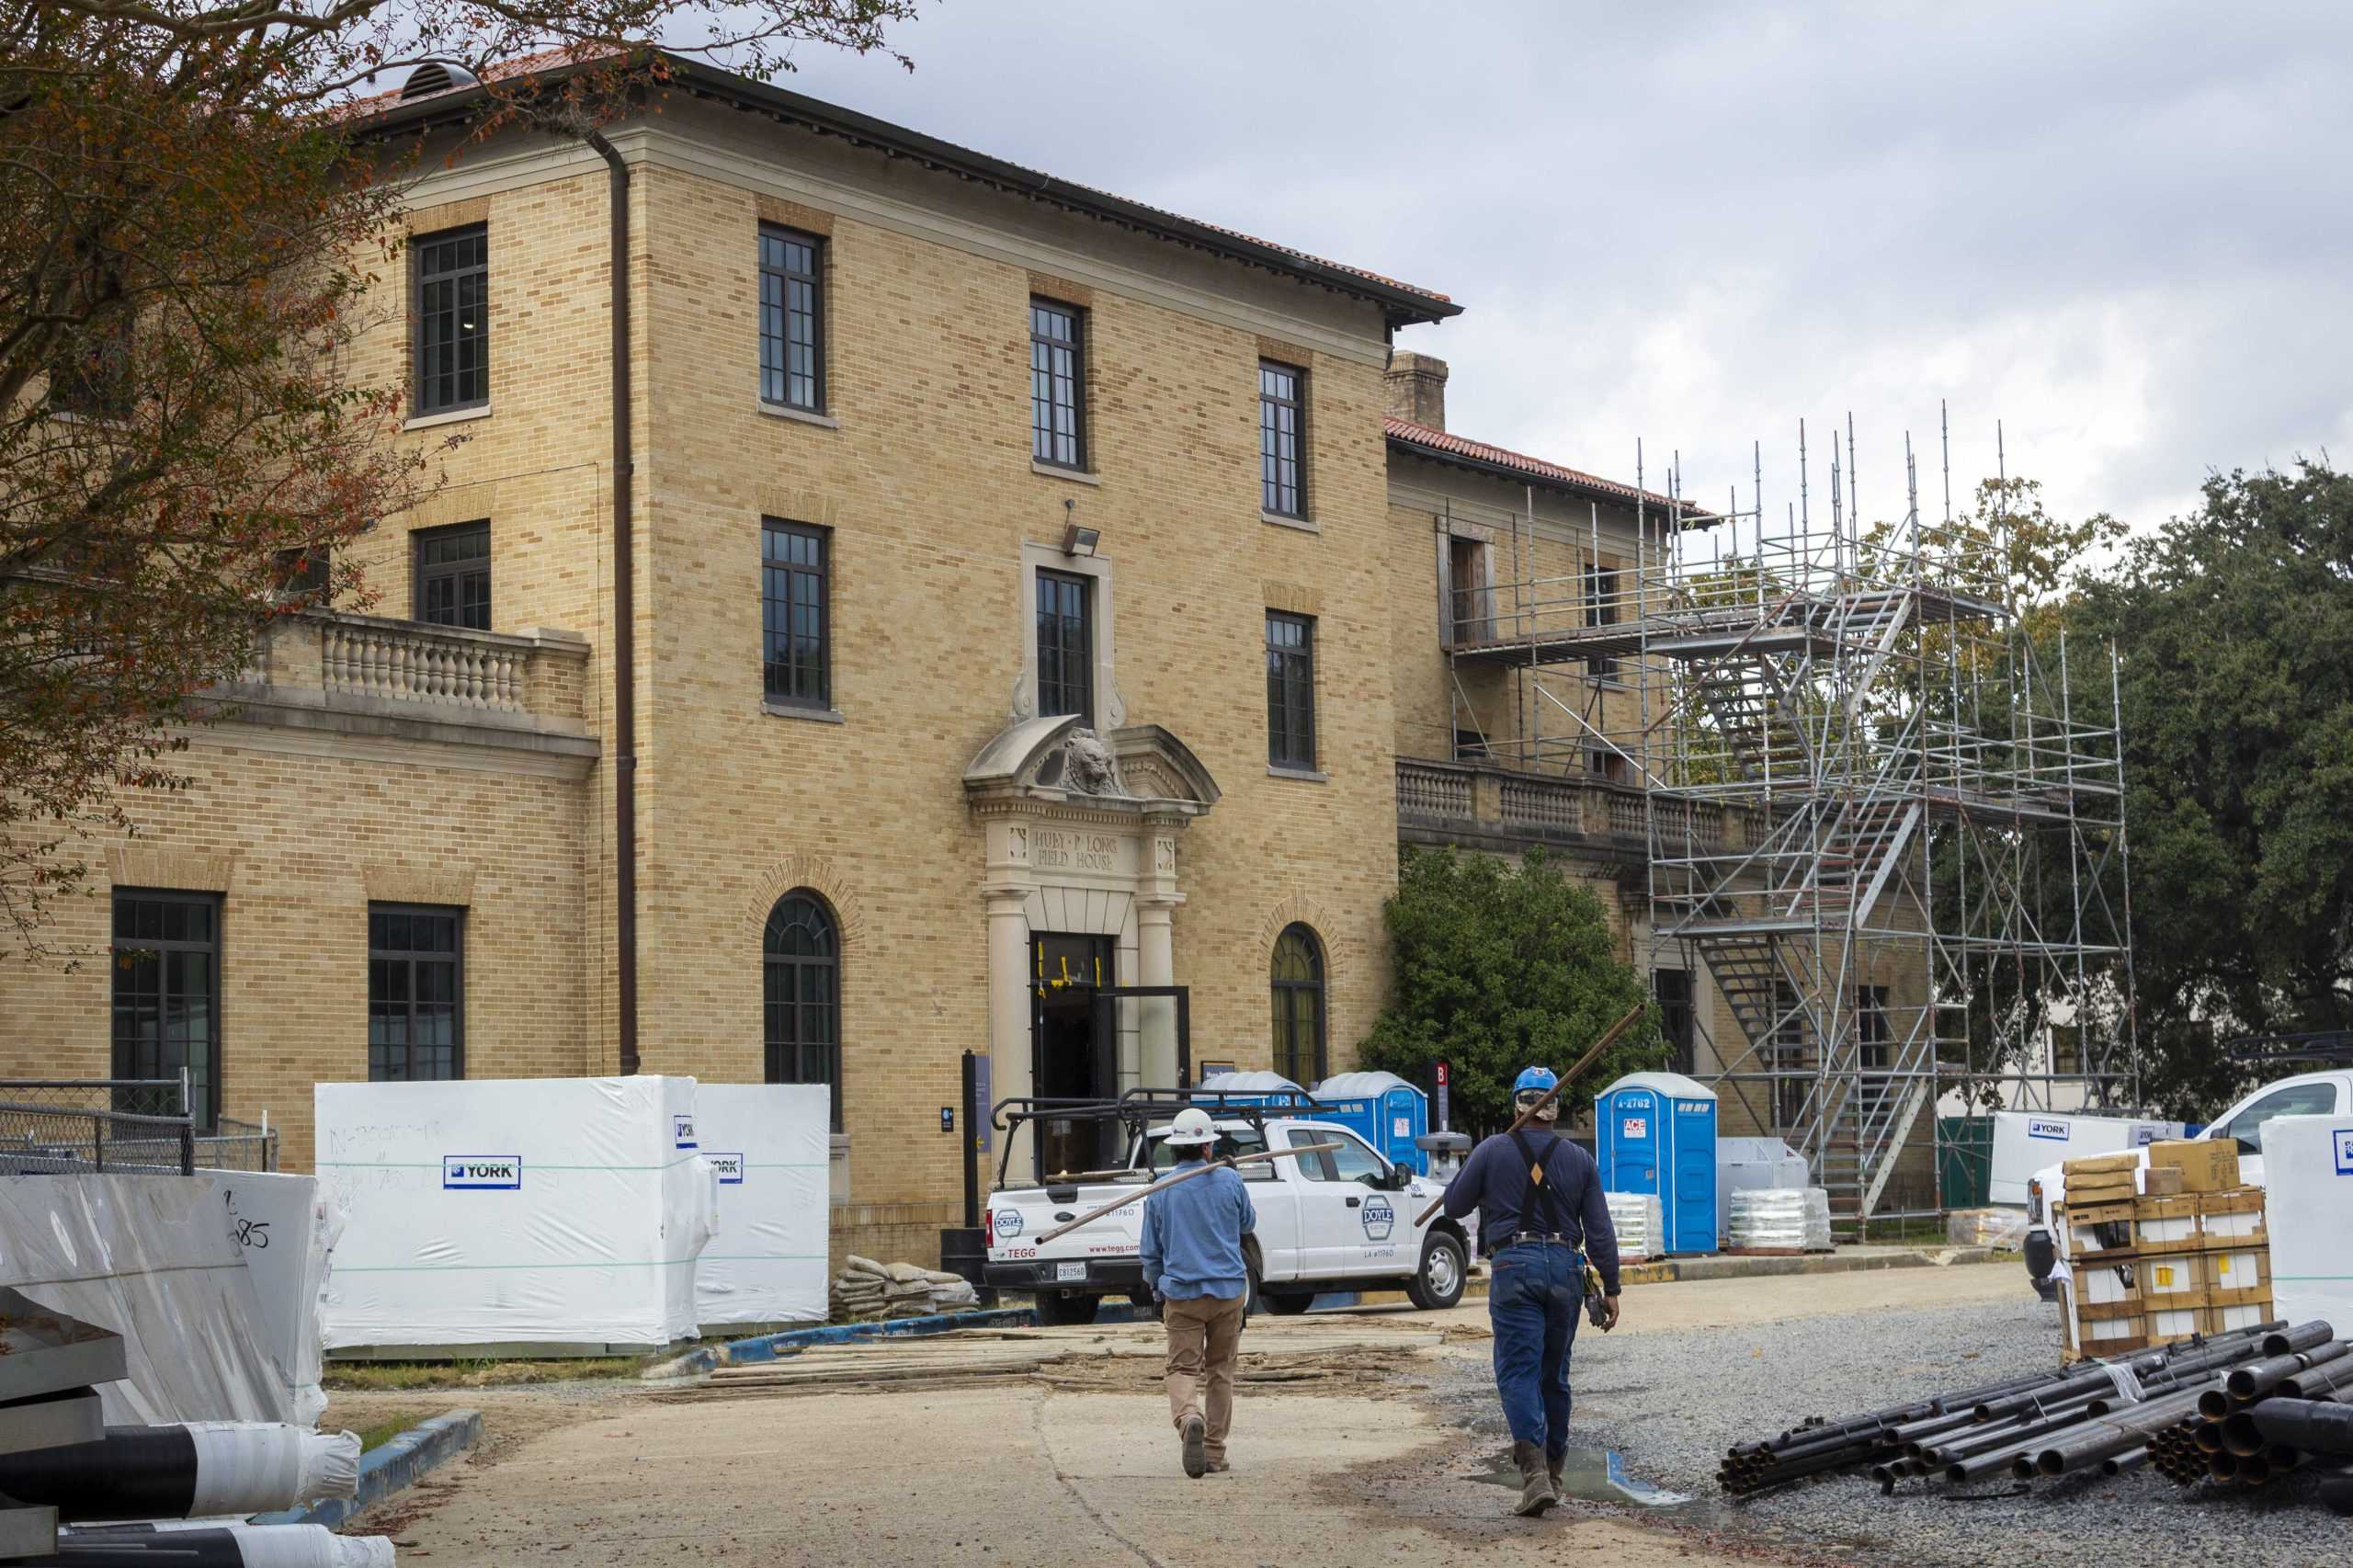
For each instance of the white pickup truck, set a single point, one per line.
(2308, 1094)
(1339, 1219)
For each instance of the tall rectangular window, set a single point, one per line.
(416, 1019)
(167, 992)
(1283, 468)
(1290, 691)
(795, 646)
(453, 575)
(1057, 384)
(453, 320)
(1065, 647)
(1673, 989)
(1786, 1053)
(1874, 1029)
(1468, 600)
(1600, 610)
(792, 319)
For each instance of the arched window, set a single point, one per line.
(803, 1023)
(1299, 1007)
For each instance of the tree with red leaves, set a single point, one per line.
(188, 234)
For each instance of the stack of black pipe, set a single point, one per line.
(2264, 1419)
(2080, 1419)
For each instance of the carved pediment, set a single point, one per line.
(1139, 766)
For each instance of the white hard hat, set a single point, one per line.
(1191, 1129)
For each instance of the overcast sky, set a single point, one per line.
(2121, 229)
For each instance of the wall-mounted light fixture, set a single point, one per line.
(1077, 540)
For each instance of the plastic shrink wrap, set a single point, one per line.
(1781, 1221)
(2308, 1208)
(538, 1211)
(1636, 1217)
(769, 1146)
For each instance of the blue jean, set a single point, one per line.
(1532, 1302)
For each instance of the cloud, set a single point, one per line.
(2118, 229)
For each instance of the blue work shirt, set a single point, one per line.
(1495, 1181)
(1192, 1237)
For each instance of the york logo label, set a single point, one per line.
(493, 1172)
(730, 1168)
(2038, 1127)
(2345, 1151)
(2143, 1136)
(683, 1130)
(1380, 1219)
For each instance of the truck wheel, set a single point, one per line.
(1438, 1284)
(1285, 1303)
(1254, 1300)
(1057, 1309)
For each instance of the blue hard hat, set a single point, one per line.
(1537, 1078)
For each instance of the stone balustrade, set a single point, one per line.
(1494, 807)
(375, 664)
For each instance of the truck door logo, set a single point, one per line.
(481, 1173)
(1380, 1219)
(2038, 1127)
(2345, 1151)
(1009, 1222)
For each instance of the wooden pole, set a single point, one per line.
(1608, 1039)
(1168, 1181)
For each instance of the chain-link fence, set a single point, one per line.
(57, 1125)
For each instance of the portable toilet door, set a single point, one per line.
(1690, 1222)
(1629, 1138)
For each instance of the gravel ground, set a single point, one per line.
(1672, 1403)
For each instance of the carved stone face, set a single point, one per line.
(1088, 767)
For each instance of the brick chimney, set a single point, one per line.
(1417, 389)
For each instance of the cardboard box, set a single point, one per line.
(2206, 1165)
(2161, 1181)
(2118, 1188)
(2100, 1165)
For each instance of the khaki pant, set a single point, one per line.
(1204, 1338)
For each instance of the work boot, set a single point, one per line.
(1553, 1465)
(1536, 1490)
(1197, 1436)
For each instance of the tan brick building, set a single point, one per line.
(1027, 588)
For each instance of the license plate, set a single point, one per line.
(1064, 1273)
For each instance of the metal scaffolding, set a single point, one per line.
(1877, 808)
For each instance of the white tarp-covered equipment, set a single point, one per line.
(1751, 1165)
(527, 1212)
(1635, 1218)
(768, 1144)
(154, 1258)
(287, 1227)
(2026, 1141)
(2308, 1207)
(1768, 1219)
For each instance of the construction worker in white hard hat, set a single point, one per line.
(1193, 1261)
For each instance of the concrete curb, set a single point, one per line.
(391, 1468)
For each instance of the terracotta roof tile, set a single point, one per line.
(1445, 444)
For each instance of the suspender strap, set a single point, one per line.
(1539, 1185)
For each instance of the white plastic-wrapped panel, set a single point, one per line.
(287, 1227)
(1636, 1217)
(2308, 1203)
(536, 1211)
(769, 1146)
(153, 1259)
(1746, 1164)
(1781, 1220)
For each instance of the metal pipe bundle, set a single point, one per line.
(2075, 1419)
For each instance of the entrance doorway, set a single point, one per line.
(1074, 1051)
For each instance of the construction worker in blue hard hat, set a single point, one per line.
(1541, 1214)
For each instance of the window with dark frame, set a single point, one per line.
(1290, 691)
(1298, 985)
(796, 649)
(1787, 1055)
(1066, 646)
(1282, 465)
(1466, 590)
(453, 575)
(801, 1026)
(1875, 1029)
(1676, 1021)
(416, 1015)
(167, 992)
(793, 362)
(453, 320)
(1057, 384)
(1601, 610)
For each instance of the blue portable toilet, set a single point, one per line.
(1655, 1132)
(1269, 1090)
(1384, 1111)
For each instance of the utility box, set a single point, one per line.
(1655, 1133)
(1386, 1111)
